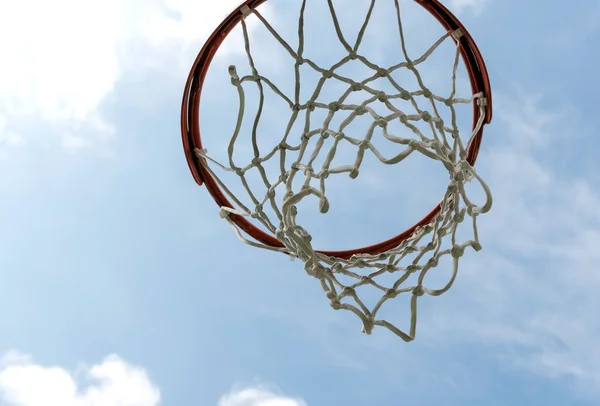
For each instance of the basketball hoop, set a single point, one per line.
(444, 145)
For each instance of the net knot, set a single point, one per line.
(426, 116)
(427, 93)
(357, 86)
(433, 262)
(327, 74)
(411, 249)
(354, 173)
(353, 55)
(412, 268)
(318, 271)
(459, 177)
(418, 291)
(463, 165)
(333, 106)
(405, 95)
(360, 110)
(302, 233)
(390, 268)
(391, 293)
(381, 73)
(335, 303)
(280, 235)
(457, 251)
(382, 97)
(434, 144)
(460, 216)
(300, 60)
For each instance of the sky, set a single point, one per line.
(120, 285)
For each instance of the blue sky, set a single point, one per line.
(120, 284)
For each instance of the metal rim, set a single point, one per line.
(190, 119)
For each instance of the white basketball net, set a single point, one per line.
(443, 144)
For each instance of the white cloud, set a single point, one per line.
(110, 383)
(258, 397)
(61, 60)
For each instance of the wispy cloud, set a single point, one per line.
(535, 285)
(459, 6)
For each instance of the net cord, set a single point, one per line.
(444, 145)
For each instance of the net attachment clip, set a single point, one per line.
(457, 34)
(246, 11)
